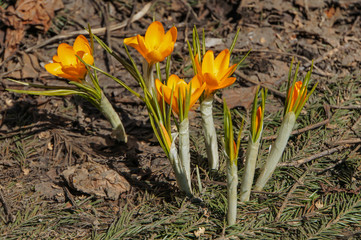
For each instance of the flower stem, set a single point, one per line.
(210, 135)
(232, 182)
(182, 180)
(250, 166)
(276, 151)
(108, 111)
(148, 77)
(185, 158)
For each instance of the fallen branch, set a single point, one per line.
(313, 157)
(298, 131)
(101, 30)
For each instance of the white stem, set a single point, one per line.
(276, 150)
(108, 111)
(232, 182)
(181, 177)
(210, 135)
(148, 77)
(184, 154)
(249, 169)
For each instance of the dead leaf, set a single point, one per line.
(93, 178)
(239, 97)
(28, 71)
(49, 190)
(38, 13)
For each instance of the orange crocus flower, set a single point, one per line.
(67, 65)
(179, 86)
(215, 72)
(156, 45)
(296, 92)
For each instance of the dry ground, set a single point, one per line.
(314, 194)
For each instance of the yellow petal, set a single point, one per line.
(196, 83)
(228, 72)
(57, 70)
(208, 62)
(226, 82)
(211, 81)
(81, 44)
(172, 81)
(258, 118)
(166, 135)
(88, 58)
(77, 72)
(181, 89)
(195, 96)
(167, 45)
(56, 59)
(66, 54)
(163, 90)
(296, 92)
(221, 63)
(132, 41)
(198, 66)
(154, 56)
(54, 68)
(154, 35)
(142, 48)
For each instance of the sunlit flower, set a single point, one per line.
(215, 72)
(156, 45)
(67, 65)
(295, 94)
(180, 87)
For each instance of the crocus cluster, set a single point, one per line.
(170, 100)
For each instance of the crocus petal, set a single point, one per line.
(208, 62)
(196, 83)
(198, 66)
(132, 41)
(181, 89)
(76, 72)
(226, 82)
(54, 68)
(81, 44)
(57, 70)
(56, 59)
(221, 63)
(211, 81)
(88, 58)
(166, 135)
(154, 35)
(154, 56)
(258, 118)
(195, 96)
(295, 93)
(172, 81)
(142, 48)
(167, 45)
(163, 90)
(66, 54)
(227, 72)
